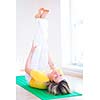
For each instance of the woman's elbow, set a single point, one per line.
(27, 69)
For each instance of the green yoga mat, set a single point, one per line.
(42, 94)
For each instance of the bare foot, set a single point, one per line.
(44, 13)
(40, 11)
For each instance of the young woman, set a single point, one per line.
(39, 67)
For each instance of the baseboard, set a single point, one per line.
(73, 71)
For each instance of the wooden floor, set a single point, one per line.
(75, 84)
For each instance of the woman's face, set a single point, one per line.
(55, 76)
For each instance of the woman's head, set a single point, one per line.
(60, 88)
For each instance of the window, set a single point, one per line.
(77, 31)
(72, 30)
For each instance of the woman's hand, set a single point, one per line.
(50, 62)
(33, 47)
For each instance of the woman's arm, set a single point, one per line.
(29, 59)
(50, 62)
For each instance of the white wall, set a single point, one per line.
(25, 9)
(65, 33)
